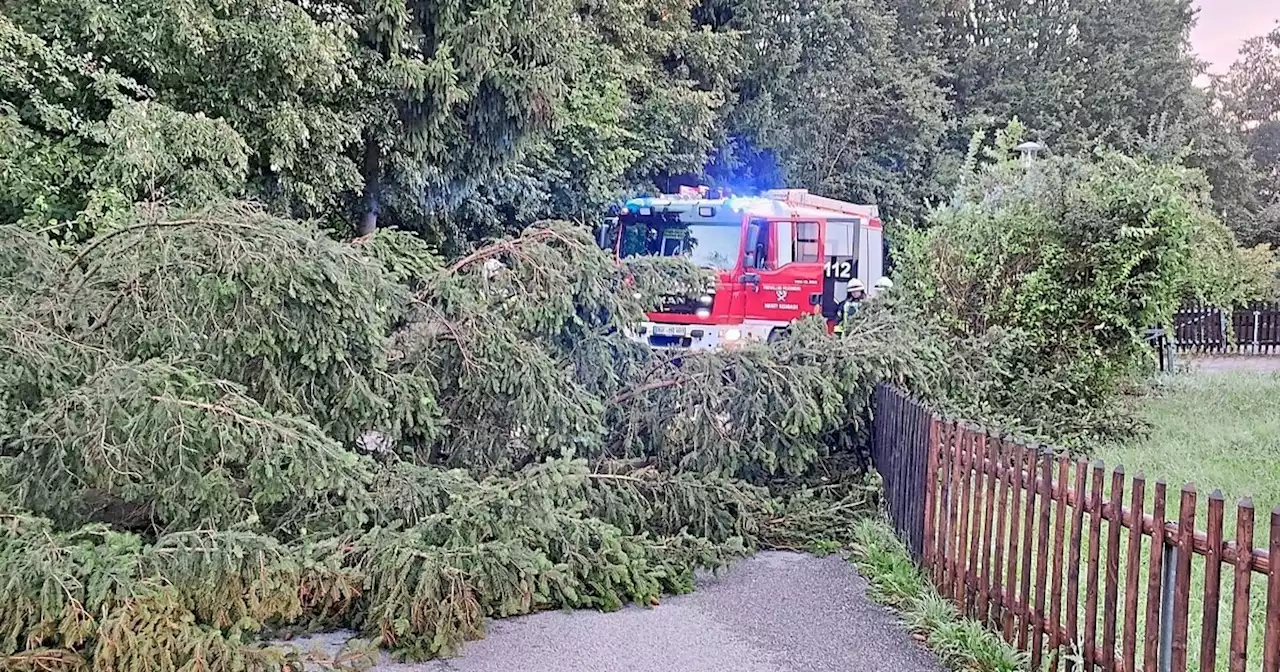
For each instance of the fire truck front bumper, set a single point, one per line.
(693, 336)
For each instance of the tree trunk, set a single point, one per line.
(372, 171)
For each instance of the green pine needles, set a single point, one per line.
(220, 426)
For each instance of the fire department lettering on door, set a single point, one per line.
(783, 293)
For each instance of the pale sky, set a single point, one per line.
(1224, 24)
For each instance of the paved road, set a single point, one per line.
(777, 612)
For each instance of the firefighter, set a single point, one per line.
(855, 295)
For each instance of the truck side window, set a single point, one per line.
(757, 249)
(786, 246)
(807, 243)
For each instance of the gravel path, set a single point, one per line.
(1228, 363)
(776, 612)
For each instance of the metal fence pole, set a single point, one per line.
(1169, 564)
(1256, 314)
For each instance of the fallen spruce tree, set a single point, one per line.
(218, 427)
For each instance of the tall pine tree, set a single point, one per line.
(1076, 72)
(1249, 94)
(838, 96)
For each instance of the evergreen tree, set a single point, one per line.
(842, 92)
(1076, 72)
(646, 92)
(283, 81)
(1249, 95)
(82, 142)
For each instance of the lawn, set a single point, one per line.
(1216, 430)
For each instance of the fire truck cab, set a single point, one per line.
(777, 258)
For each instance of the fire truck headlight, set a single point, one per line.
(705, 299)
(733, 335)
(702, 313)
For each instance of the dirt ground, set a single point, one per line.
(1230, 363)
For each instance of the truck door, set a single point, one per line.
(841, 262)
(786, 262)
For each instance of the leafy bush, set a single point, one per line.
(1225, 274)
(1045, 276)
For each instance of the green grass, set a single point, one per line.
(1216, 431)
(960, 644)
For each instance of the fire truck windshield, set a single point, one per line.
(707, 245)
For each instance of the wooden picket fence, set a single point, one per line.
(1253, 329)
(1051, 552)
(900, 437)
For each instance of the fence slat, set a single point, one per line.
(893, 473)
(1059, 547)
(999, 597)
(924, 423)
(1273, 328)
(1271, 638)
(961, 588)
(1042, 560)
(945, 531)
(907, 488)
(1182, 580)
(1212, 583)
(1155, 572)
(1028, 542)
(957, 467)
(1073, 558)
(990, 487)
(919, 441)
(1015, 533)
(1238, 335)
(1111, 600)
(938, 505)
(1264, 331)
(1239, 656)
(930, 498)
(1093, 569)
(886, 419)
(1270, 317)
(886, 470)
(953, 561)
(977, 447)
(1132, 575)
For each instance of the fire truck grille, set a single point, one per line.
(679, 305)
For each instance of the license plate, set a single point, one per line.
(668, 331)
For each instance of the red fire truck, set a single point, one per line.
(777, 257)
